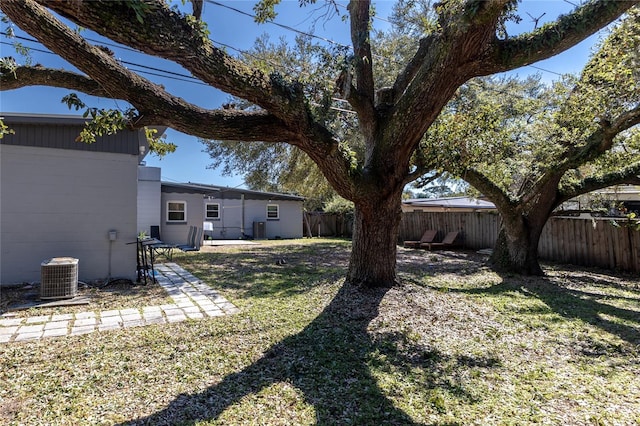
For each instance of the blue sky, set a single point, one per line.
(235, 29)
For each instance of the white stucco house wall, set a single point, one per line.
(61, 198)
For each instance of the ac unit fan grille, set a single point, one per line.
(59, 278)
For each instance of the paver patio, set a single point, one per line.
(192, 299)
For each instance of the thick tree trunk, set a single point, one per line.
(516, 248)
(375, 234)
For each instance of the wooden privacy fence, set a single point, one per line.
(590, 242)
(479, 230)
(320, 224)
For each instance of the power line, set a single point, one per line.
(545, 70)
(289, 28)
(190, 79)
(275, 65)
(571, 3)
(171, 75)
(376, 17)
(286, 27)
(180, 76)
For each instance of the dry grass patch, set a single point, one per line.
(454, 344)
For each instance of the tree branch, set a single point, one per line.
(410, 71)
(170, 35)
(626, 120)
(553, 38)
(598, 142)
(629, 174)
(24, 76)
(211, 124)
(418, 173)
(489, 189)
(360, 37)
(443, 62)
(166, 34)
(116, 81)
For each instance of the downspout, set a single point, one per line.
(223, 232)
(242, 218)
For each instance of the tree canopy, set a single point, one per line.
(467, 40)
(529, 147)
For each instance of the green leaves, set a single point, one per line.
(110, 121)
(73, 101)
(158, 145)
(610, 83)
(8, 65)
(265, 10)
(139, 8)
(4, 129)
(103, 122)
(487, 126)
(519, 135)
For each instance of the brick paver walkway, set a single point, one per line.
(192, 299)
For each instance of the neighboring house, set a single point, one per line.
(62, 198)
(227, 213)
(447, 204)
(603, 202)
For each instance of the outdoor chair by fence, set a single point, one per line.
(428, 237)
(449, 241)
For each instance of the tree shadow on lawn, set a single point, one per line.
(583, 305)
(330, 363)
(574, 303)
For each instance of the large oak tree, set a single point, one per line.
(465, 43)
(529, 147)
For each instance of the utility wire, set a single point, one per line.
(376, 17)
(170, 74)
(275, 65)
(286, 27)
(191, 79)
(180, 76)
(289, 28)
(545, 70)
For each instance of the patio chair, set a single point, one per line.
(195, 236)
(155, 232)
(190, 239)
(428, 237)
(160, 248)
(449, 241)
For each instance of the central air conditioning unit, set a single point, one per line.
(259, 231)
(59, 278)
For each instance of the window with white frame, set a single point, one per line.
(273, 212)
(176, 211)
(212, 211)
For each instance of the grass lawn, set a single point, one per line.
(454, 344)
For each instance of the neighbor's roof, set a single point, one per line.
(450, 203)
(225, 192)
